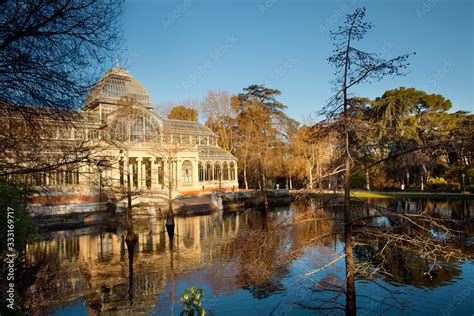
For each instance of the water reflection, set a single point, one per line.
(226, 254)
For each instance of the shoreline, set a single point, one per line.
(393, 194)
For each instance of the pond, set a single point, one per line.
(242, 269)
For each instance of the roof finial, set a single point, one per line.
(117, 62)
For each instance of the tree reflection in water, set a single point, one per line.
(406, 242)
(272, 256)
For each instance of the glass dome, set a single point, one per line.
(118, 83)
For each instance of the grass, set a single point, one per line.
(403, 195)
(411, 195)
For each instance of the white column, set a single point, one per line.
(144, 175)
(160, 166)
(195, 175)
(139, 171)
(166, 174)
(154, 180)
(130, 169)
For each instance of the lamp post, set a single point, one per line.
(463, 176)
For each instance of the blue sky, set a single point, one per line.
(182, 49)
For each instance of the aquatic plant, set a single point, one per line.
(192, 301)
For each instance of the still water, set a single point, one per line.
(242, 269)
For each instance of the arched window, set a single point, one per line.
(150, 131)
(187, 172)
(137, 131)
(201, 172)
(225, 171)
(232, 171)
(120, 132)
(217, 171)
(208, 172)
(138, 128)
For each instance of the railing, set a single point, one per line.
(47, 210)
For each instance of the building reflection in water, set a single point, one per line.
(223, 253)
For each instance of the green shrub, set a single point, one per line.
(192, 301)
(24, 227)
(470, 188)
(14, 214)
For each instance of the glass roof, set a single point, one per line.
(118, 83)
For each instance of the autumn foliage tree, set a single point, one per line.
(311, 155)
(221, 118)
(260, 123)
(183, 113)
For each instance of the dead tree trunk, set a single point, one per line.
(170, 216)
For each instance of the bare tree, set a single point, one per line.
(50, 56)
(119, 136)
(353, 67)
(37, 145)
(50, 50)
(312, 152)
(221, 118)
(374, 233)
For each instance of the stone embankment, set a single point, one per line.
(52, 217)
(231, 201)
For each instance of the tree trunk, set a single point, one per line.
(130, 240)
(350, 266)
(263, 188)
(129, 197)
(245, 175)
(367, 179)
(350, 274)
(170, 187)
(170, 217)
(320, 180)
